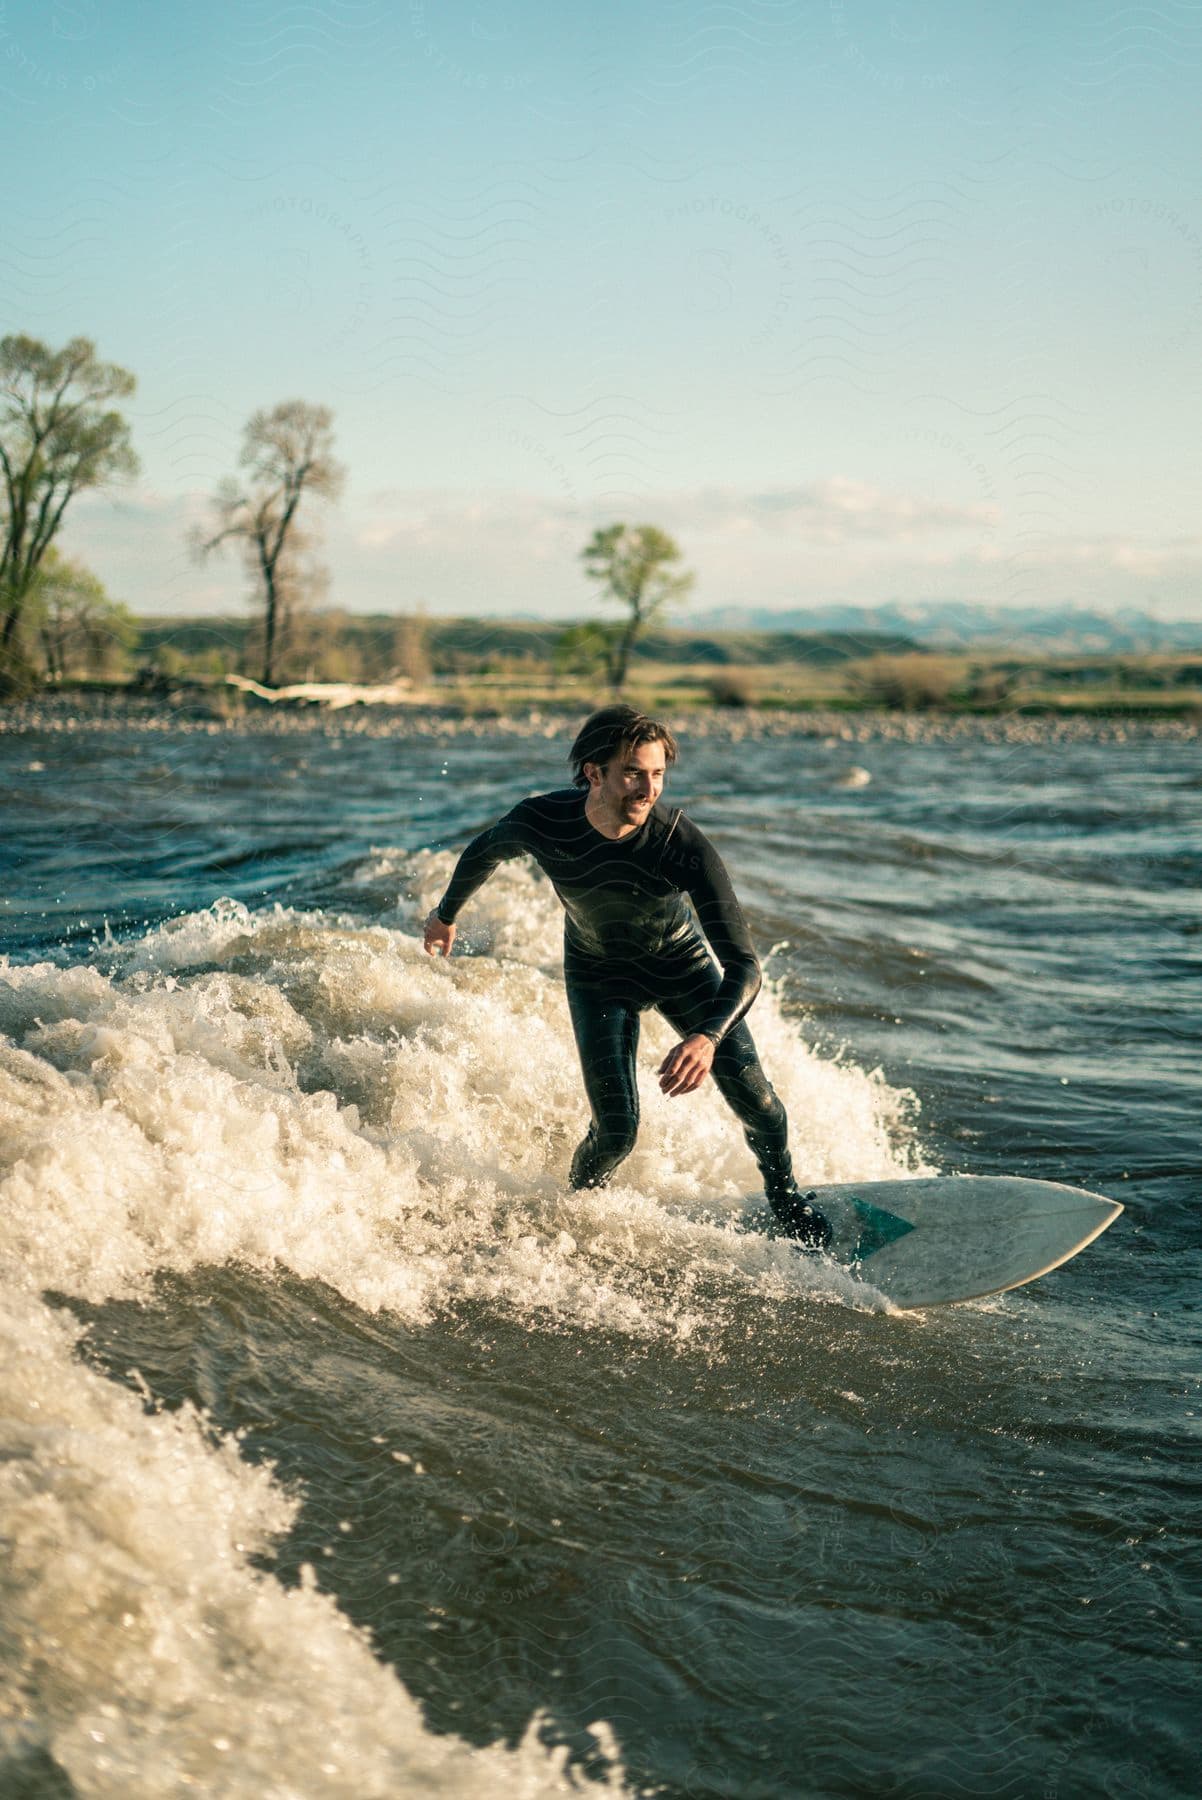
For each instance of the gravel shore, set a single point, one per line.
(108, 713)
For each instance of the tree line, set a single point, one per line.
(62, 434)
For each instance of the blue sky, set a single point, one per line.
(862, 301)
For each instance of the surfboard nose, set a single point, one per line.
(931, 1241)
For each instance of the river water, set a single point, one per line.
(347, 1453)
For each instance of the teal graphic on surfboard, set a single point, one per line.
(877, 1228)
(933, 1241)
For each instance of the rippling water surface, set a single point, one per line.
(347, 1453)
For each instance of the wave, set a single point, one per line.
(299, 1091)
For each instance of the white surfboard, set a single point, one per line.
(958, 1237)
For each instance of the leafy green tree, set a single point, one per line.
(287, 452)
(80, 628)
(634, 565)
(58, 436)
(584, 648)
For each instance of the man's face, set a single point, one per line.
(629, 786)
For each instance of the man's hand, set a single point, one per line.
(438, 936)
(686, 1067)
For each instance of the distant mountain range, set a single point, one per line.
(952, 624)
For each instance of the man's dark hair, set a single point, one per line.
(607, 732)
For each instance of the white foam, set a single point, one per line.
(150, 1658)
(308, 1093)
(326, 1098)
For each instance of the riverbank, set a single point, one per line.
(502, 669)
(194, 711)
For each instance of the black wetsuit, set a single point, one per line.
(630, 942)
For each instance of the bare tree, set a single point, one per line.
(912, 682)
(633, 564)
(58, 436)
(411, 648)
(287, 452)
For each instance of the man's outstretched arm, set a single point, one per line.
(500, 843)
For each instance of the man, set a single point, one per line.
(622, 864)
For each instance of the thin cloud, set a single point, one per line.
(1138, 556)
(497, 551)
(833, 511)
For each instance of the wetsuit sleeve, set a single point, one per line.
(721, 918)
(503, 841)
